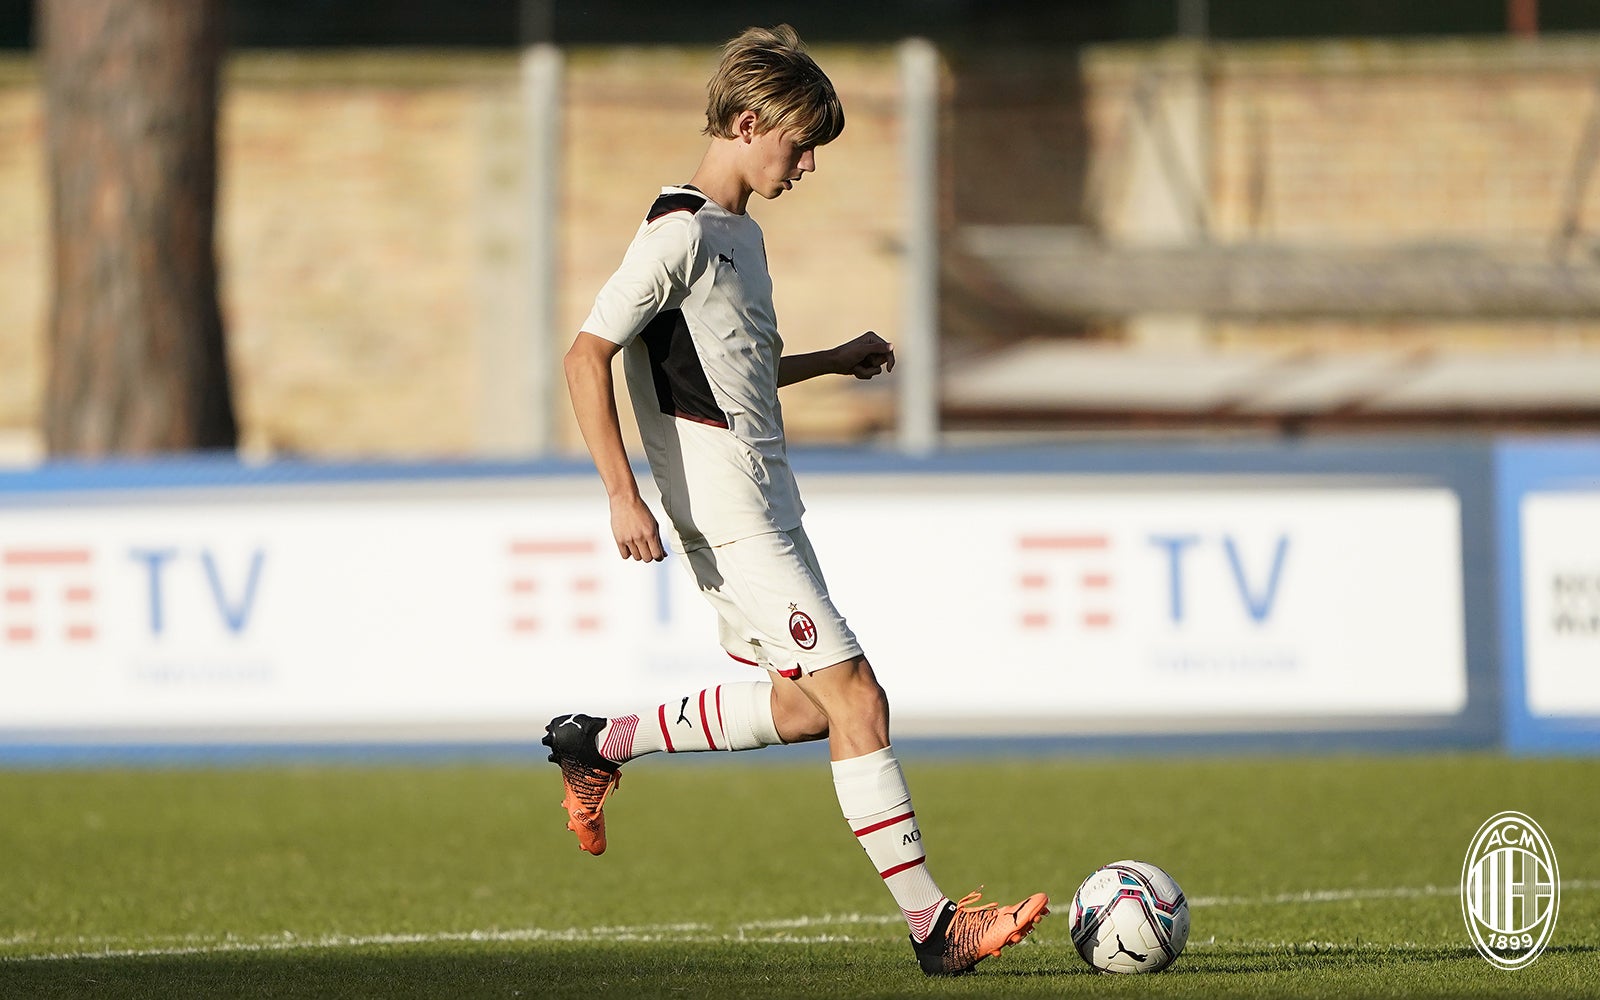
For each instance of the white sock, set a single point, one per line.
(726, 717)
(877, 804)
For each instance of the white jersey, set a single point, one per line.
(692, 307)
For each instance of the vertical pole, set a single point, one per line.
(1194, 19)
(1522, 18)
(918, 354)
(541, 99)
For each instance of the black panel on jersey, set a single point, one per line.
(669, 203)
(682, 389)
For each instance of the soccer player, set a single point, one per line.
(691, 310)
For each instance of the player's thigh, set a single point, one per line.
(735, 633)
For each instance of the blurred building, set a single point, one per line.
(1152, 214)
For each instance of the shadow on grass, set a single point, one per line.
(593, 973)
(1248, 960)
(641, 970)
(1311, 972)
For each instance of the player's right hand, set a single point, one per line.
(866, 356)
(635, 529)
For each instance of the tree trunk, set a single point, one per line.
(137, 359)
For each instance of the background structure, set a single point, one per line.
(1148, 217)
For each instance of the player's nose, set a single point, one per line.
(808, 161)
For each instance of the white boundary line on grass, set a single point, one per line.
(1350, 895)
(777, 931)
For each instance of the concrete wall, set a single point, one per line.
(374, 225)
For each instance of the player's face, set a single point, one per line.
(778, 162)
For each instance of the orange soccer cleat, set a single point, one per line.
(589, 778)
(966, 933)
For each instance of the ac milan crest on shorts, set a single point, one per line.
(772, 605)
(802, 628)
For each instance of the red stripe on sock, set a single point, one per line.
(874, 828)
(922, 921)
(619, 742)
(897, 869)
(719, 714)
(661, 713)
(705, 727)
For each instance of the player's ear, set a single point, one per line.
(744, 125)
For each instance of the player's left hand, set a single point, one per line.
(865, 356)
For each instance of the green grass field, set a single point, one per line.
(1326, 876)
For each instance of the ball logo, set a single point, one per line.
(1510, 890)
(802, 628)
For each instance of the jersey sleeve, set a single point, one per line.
(655, 274)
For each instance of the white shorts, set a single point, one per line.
(773, 607)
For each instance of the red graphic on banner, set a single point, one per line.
(1065, 577)
(48, 594)
(554, 586)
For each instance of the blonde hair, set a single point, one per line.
(768, 71)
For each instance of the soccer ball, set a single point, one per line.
(1129, 916)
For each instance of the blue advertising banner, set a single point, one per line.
(1109, 597)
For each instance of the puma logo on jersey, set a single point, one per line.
(728, 261)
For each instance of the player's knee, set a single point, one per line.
(807, 726)
(863, 696)
(797, 718)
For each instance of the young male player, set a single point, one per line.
(691, 310)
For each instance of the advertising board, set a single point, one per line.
(1088, 607)
(1548, 494)
(988, 605)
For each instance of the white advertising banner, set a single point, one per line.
(1031, 604)
(1561, 603)
(985, 605)
(291, 613)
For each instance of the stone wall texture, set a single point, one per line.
(1372, 144)
(374, 225)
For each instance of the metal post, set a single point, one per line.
(918, 344)
(1194, 19)
(541, 99)
(1522, 18)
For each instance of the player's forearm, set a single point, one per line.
(794, 368)
(594, 403)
